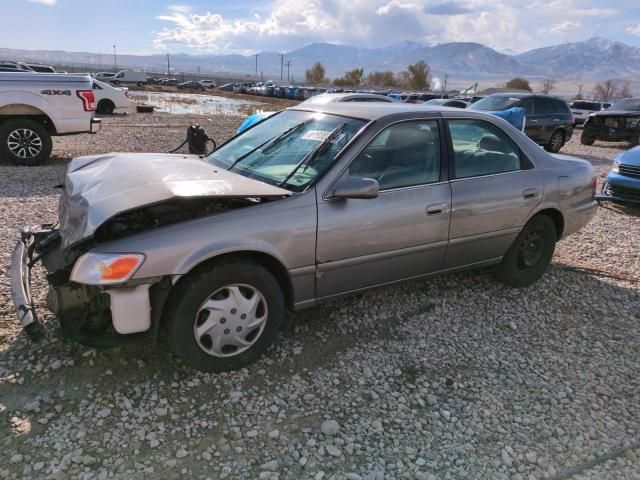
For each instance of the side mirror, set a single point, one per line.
(357, 187)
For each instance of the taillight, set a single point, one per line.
(88, 100)
(126, 93)
(594, 184)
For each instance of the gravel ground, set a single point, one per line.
(453, 378)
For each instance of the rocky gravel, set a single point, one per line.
(456, 377)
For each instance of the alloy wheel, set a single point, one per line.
(24, 143)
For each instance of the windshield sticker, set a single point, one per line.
(316, 135)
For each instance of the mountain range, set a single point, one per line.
(593, 59)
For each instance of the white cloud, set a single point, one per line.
(50, 3)
(634, 30)
(595, 12)
(393, 7)
(564, 27)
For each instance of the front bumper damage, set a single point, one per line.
(619, 194)
(92, 315)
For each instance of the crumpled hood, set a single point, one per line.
(98, 187)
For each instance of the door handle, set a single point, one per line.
(533, 120)
(528, 193)
(437, 209)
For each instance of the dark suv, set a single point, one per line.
(548, 120)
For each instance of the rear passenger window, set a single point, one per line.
(545, 106)
(480, 148)
(402, 155)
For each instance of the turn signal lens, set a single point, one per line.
(106, 268)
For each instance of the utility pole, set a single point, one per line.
(256, 55)
(115, 60)
(281, 65)
(168, 66)
(288, 68)
(580, 91)
(100, 61)
(446, 75)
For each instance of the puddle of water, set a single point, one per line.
(190, 103)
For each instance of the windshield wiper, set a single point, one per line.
(270, 142)
(321, 148)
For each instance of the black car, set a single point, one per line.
(191, 85)
(621, 122)
(548, 120)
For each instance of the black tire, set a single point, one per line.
(140, 84)
(184, 309)
(556, 142)
(24, 130)
(116, 82)
(524, 262)
(106, 106)
(586, 139)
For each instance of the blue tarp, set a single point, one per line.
(515, 116)
(252, 120)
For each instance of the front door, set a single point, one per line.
(400, 234)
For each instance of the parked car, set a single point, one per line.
(191, 85)
(108, 98)
(312, 204)
(20, 67)
(129, 77)
(34, 108)
(445, 102)
(581, 109)
(227, 87)
(208, 83)
(324, 98)
(548, 121)
(422, 97)
(622, 184)
(40, 68)
(619, 123)
(320, 99)
(152, 81)
(169, 82)
(104, 75)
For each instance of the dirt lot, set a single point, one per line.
(457, 377)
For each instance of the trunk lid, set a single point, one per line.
(98, 187)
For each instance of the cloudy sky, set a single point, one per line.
(247, 26)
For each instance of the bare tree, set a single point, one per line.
(605, 91)
(418, 75)
(352, 78)
(548, 85)
(519, 83)
(315, 75)
(625, 91)
(383, 79)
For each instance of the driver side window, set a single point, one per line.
(401, 155)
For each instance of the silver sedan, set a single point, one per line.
(314, 203)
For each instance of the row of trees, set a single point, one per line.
(415, 77)
(606, 91)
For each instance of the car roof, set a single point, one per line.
(370, 110)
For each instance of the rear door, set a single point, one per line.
(494, 189)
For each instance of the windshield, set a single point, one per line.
(289, 149)
(495, 103)
(629, 104)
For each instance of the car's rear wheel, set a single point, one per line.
(224, 317)
(555, 142)
(586, 139)
(24, 142)
(106, 106)
(530, 254)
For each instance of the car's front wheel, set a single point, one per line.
(555, 142)
(226, 316)
(530, 254)
(106, 106)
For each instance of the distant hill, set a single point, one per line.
(592, 59)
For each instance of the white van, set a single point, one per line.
(129, 76)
